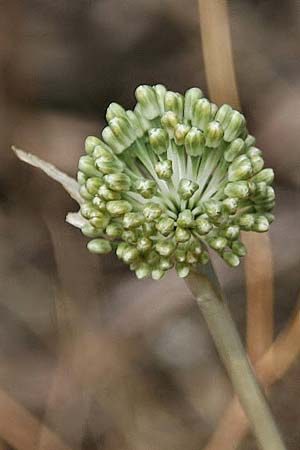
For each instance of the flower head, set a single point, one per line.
(171, 177)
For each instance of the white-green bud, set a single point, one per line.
(174, 102)
(145, 123)
(237, 189)
(223, 115)
(180, 133)
(146, 188)
(164, 169)
(235, 126)
(160, 91)
(165, 264)
(99, 203)
(230, 205)
(257, 163)
(93, 184)
(202, 113)
(203, 225)
(143, 270)
(252, 152)
(169, 121)
(84, 193)
(157, 274)
(114, 230)
(152, 211)
(266, 175)
(238, 248)
(194, 142)
(218, 243)
(90, 231)
(107, 167)
(110, 138)
(192, 95)
(130, 254)
(213, 134)
(147, 100)
(107, 194)
(118, 207)
(234, 149)
(88, 211)
(159, 140)
(250, 141)
(100, 246)
(130, 236)
(185, 219)
(213, 208)
(182, 234)
(86, 165)
(240, 169)
(261, 224)
(165, 248)
(165, 226)
(182, 270)
(231, 258)
(100, 221)
(118, 182)
(149, 229)
(122, 130)
(115, 110)
(90, 143)
(144, 244)
(203, 258)
(187, 188)
(232, 232)
(81, 177)
(135, 123)
(246, 221)
(133, 220)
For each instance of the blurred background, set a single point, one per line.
(104, 361)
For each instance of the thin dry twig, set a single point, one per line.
(20, 429)
(270, 368)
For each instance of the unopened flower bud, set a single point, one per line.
(110, 138)
(213, 208)
(164, 169)
(107, 194)
(100, 221)
(107, 167)
(185, 219)
(118, 207)
(84, 193)
(201, 113)
(122, 130)
(100, 246)
(147, 100)
(231, 258)
(261, 224)
(237, 189)
(239, 248)
(230, 205)
(165, 248)
(144, 244)
(90, 231)
(133, 220)
(240, 169)
(223, 115)
(182, 270)
(118, 182)
(165, 226)
(194, 142)
(187, 188)
(217, 243)
(169, 121)
(246, 221)
(114, 230)
(157, 274)
(234, 149)
(93, 184)
(266, 175)
(143, 270)
(81, 177)
(174, 102)
(90, 143)
(192, 95)
(165, 264)
(180, 133)
(159, 140)
(135, 123)
(86, 165)
(160, 92)
(203, 226)
(130, 254)
(232, 232)
(213, 134)
(99, 203)
(250, 141)
(182, 234)
(146, 188)
(235, 126)
(152, 211)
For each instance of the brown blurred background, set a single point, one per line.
(106, 361)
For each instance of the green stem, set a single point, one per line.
(205, 287)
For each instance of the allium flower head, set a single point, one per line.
(171, 177)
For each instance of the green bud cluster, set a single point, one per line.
(170, 178)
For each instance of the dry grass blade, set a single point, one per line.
(220, 74)
(270, 368)
(20, 429)
(68, 183)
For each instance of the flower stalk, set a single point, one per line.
(205, 288)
